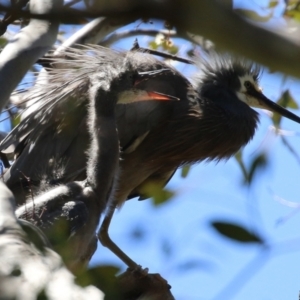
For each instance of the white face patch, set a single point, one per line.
(242, 93)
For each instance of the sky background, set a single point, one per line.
(176, 239)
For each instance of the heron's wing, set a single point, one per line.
(48, 150)
(51, 107)
(56, 151)
(135, 120)
(51, 154)
(60, 90)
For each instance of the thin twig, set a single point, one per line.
(137, 47)
(241, 278)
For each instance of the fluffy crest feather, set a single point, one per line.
(221, 67)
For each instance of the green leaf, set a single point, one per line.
(3, 42)
(153, 45)
(294, 14)
(239, 160)
(185, 171)
(103, 277)
(173, 50)
(273, 4)
(285, 100)
(167, 45)
(15, 120)
(157, 193)
(293, 10)
(162, 196)
(258, 163)
(237, 232)
(276, 119)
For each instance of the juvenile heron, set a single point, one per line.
(211, 122)
(51, 140)
(81, 203)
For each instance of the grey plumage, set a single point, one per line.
(155, 137)
(80, 203)
(212, 120)
(60, 118)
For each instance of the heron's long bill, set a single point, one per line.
(266, 103)
(142, 95)
(161, 97)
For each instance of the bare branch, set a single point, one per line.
(116, 36)
(210, 19)
(95, 31)
(233, 33)
(10, 18)
(27, 46)
(20, 261)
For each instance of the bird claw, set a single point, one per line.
(138, 271)
(137, 283)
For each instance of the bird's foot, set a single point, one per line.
(138, 283)
(138, 271)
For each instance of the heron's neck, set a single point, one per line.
(104, 149)
(225, 102)
(211, 130)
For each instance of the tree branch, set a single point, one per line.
(95, 31)
(206, 18)
(26, 47)
(26, 267)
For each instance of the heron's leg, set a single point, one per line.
(108, 243)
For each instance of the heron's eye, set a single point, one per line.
(247, 85)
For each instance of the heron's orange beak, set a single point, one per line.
(142, 92)
(161, 97)
(138, 95)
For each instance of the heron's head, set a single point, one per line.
(133, 83)
(241, 78)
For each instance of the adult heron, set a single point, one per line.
(212, 123)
